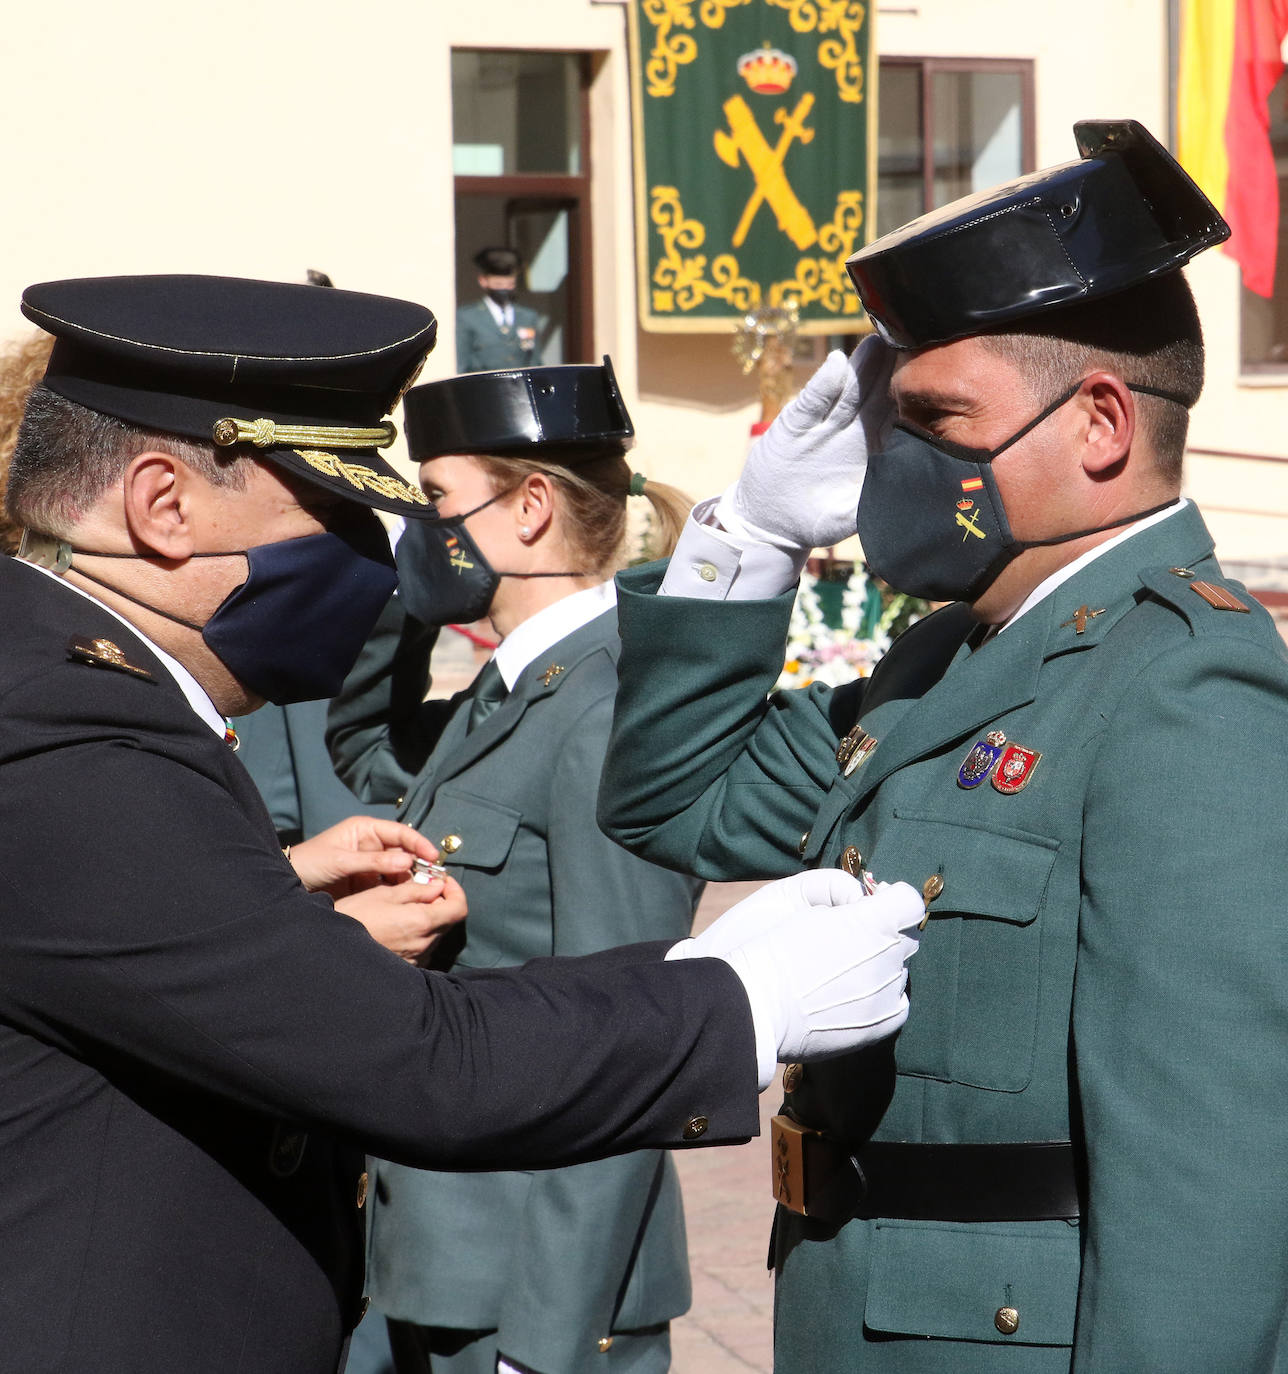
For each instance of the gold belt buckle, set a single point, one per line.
(787, 1161)
(813, 1175)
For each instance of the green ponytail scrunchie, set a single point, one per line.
(636, 487)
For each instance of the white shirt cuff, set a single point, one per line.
(717, 565)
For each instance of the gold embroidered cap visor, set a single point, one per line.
(301, 377)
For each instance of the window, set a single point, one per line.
(519, 154)
(980, 118)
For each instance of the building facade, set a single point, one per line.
(384, 143)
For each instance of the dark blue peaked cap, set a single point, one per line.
(517, 412)
(1124, 212)
(300, 376)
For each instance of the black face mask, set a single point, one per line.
(931, 519)
(443, 576)
(502, 296)
(294, 628)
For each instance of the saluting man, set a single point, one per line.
(495, 331)
(195, 1049)
(1073, 1156)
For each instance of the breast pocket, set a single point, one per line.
(975, 980)
(472, 832)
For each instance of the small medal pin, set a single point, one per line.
(978, 764)
(423, 872)
(102, 653)
(853, 749)
(1015, 768)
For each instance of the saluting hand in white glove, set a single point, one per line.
(800, 485)
(823, 963)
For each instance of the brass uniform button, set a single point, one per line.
(604, 1344)
(398, 801)
(803, 845)
(695, 1126)
(364, 1182)
(451, 843)
(1007, 1320)
(852, 861)
(792, 1076)
(707, 572)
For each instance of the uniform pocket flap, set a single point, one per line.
(470, 831)
(998, 874)
(1012, 1285)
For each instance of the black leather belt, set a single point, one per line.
(1027, 1181)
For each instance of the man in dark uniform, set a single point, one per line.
(495, 331)
(1073, 1156)
(193, 1049)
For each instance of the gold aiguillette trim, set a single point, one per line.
(266, 433)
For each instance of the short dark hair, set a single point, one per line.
(67, 456)
(1148, 335)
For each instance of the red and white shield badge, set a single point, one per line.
(1015, 768)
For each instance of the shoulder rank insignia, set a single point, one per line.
(1015, 768)
(1219, 598)
(102, 653)
(551, 673)
(978, 764)
(855, 746)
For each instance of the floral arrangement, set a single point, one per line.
(869, 618)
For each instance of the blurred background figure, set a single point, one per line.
(495, 331)
(570, 1269)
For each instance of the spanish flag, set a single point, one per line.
(1230, 60)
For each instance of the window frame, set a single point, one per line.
(568, 191)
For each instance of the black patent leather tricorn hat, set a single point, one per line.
(519, 413)
(1124, 212)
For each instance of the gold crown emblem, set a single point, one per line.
(768, 71)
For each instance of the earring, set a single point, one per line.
(525, 531)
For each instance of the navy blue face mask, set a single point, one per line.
(295, 627)
(931, 518)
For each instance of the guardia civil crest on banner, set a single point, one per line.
(755, 159)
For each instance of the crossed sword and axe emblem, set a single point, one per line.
(744, 141)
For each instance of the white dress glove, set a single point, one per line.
(822, 963)
(800, 485)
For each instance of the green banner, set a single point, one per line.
(755, 158)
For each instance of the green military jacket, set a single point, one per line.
(553, 1260)
(1105, 962)
(482, 345)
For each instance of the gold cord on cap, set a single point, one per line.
(266, 433)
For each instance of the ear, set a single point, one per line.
(1109, 408)
(160, 491)
(535, 507)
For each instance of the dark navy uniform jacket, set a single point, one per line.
(194, 1051)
